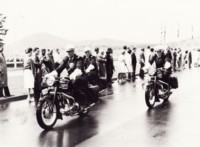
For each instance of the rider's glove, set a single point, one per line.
(54, 73)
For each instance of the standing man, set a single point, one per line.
(44, 63)
(152, 55)
(174, 59)
(38, 74)
(51, 64)
(190, 59)
(109, 66)
(90, 66)
(134, 63)
(3, 74)
(168, 55)
(142, 63)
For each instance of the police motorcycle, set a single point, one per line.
(58, 98)
(157, 88)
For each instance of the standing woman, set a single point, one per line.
(3, 74)
(29, 73)
(122, 68)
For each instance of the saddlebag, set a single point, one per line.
(173, 82)
(94, 92)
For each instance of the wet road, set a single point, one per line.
(121, 119)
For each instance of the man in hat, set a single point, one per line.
(44, 63)
(134, 63)
(69, 62)
(50, 58)
(3, 74)
(109, 66)
(38, 73)
(142, 63)
(90, 66)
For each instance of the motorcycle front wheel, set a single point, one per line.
(47, 114)
(150, 97)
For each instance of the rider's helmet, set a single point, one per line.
(69, 48)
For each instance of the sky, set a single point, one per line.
(137, 21)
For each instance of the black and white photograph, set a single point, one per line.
(99, 73)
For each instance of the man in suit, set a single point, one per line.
(142, 63)
(134, 62)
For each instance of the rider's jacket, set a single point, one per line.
(68, 63)
(161, 61)
(90, 64)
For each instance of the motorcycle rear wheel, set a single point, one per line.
(47, 114)
(150, 97)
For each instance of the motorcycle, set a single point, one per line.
(157, 88)
(58, 98)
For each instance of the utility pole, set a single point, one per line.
(178, 36)
(164, 35)
(192, 31)
(161, 35)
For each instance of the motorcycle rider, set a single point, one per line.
(90, 66)
(76, 73)
(162, 61)
(69, 62)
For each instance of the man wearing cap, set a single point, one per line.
(51, 63)
(44, 63)
(142, 63)
(134, 62)
(38, 73)
(69, 62)
(161, 61)
(90, 66)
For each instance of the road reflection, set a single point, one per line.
(4, 106)
(70, 134)
(158, 122)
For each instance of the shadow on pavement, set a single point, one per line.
(157, 122)
(70, 134)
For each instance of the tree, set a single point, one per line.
(3, 31)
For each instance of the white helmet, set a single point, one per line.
(160, 48)
(87, 49)
(69, 47)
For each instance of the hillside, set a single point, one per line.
(45, 40)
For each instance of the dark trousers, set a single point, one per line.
(56, 65)
(37, 94)
(109, 78)
(133, 74)
(141, 74)
(6, 91)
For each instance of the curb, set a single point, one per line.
(13, 98)
(24, 96)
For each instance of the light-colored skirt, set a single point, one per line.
(28, 79)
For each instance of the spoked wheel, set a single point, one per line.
(150, 97)
(47, 113)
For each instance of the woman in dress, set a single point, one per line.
(29, 73)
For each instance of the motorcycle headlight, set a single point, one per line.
(50, 80)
